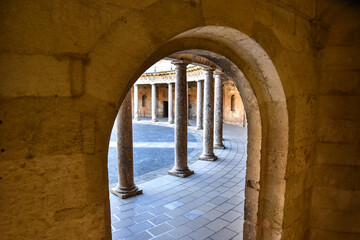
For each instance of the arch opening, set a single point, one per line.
(260, 87)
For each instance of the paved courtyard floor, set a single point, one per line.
(206, 205)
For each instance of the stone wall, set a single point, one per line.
(66, 66)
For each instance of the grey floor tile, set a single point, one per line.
(180, 231)
(142, 217)
(225, 207)
(223, 234)
(197, 223)
(201, 233)
(140, 236)
(237, 225)
(213, 214)
(160, 219)
(173, 205)
(158, 210)
(121, 234)
(217, 224)
(123, 223)
(164, 236)
(140, 227)
(193, 214)
(231, 216)
(160, 229)
(178, 221)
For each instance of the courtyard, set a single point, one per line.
(206, 205)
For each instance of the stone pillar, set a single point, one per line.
(180, 168)
(208, 136)
(187, 102)
(136, 103)
(125, 187)
(170, 107)
(199, 106)
(153, 103)
(218, 117)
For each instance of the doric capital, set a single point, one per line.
(208, 69)
(218, 73)
(180, 63)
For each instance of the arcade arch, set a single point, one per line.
(259, 85)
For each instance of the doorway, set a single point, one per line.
(166, 109)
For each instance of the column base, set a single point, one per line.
(219, 146)
(171, 122)
(211, 157)
(181, 173)
(199, 128)
(136, 119)
(125, 193)
(154, 120)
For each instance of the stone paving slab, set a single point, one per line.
(206, 205)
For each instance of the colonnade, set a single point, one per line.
(209, 118)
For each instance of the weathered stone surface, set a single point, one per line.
(180, 168)
(63, 63)
(208, 140)
(218, 112)
(125, 187)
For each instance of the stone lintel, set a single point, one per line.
(126, 193)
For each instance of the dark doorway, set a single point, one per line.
(166, 109)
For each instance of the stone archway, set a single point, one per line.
(261, 89)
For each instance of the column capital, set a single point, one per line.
(219, 73)
(208, 69)
(180, 63)
(200, 80)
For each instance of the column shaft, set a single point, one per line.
(199, 106)
(218, 118)
(136, 103)
(153, 103)
(170, 106)
(180, 168)
(125, 187)
(208, 136)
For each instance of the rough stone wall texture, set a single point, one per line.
(335, 211)
(66, 66)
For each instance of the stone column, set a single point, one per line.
(125, 187)
(208, 148)
(136, 102)
(153, 103)
(187, 102)
(180, 168)
(170, 107)
(199, 106)
(218, 116)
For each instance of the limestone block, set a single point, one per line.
(340, 82)
(339, 107)
(336, 199)
(336, 221)
(284, 19)
(337, 154)
(340, 58)
(33, 75)
(216, 9)
(342, 177)
(338, 131)
(320, 234)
